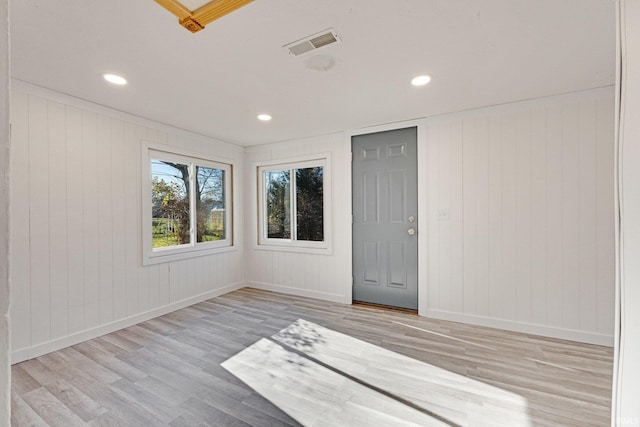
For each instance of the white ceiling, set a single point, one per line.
(215, 82)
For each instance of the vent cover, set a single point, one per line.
(313, 42)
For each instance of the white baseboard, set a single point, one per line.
(26, 353)
(527, 328)
(297, 291)
(69, 340)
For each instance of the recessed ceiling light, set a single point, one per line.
(264, 117)
(420, 80)
(115, 79)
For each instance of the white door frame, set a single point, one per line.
(421, 126)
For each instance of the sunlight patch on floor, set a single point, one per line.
(322, 377)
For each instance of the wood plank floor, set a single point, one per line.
(167, 372)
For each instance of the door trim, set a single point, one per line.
(421, 125)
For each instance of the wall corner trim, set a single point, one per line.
(20, 355)
(526, 328)
(325, 296)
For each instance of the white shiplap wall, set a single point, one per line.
(76, 224)
(313, 275)
(529, 244)
(626, 384)
(5, 146)
(529, 240)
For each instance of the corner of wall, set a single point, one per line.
(5, 143)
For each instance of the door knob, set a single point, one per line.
(411, 231)
(411, 219)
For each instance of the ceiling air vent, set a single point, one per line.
(313, 42)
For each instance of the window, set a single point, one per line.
(293, 204)
(188, 209)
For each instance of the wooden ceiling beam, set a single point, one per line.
(175, 7)
(217, 9)
(195, 21)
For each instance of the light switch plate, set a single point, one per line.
(443, 214)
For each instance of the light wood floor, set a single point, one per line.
(167, 371)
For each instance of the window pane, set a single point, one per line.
(309, 204)
(278, 190)
(170, 198)
(210, 204)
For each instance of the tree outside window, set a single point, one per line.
(190, 206)
(292, 204)
(309, 204)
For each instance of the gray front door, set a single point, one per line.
(385, 212)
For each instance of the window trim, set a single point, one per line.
(194, 249)
(290, 245)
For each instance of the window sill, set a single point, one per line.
(290, 248)
(159, 257)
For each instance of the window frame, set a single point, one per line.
(193, 249)
(292, 244)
